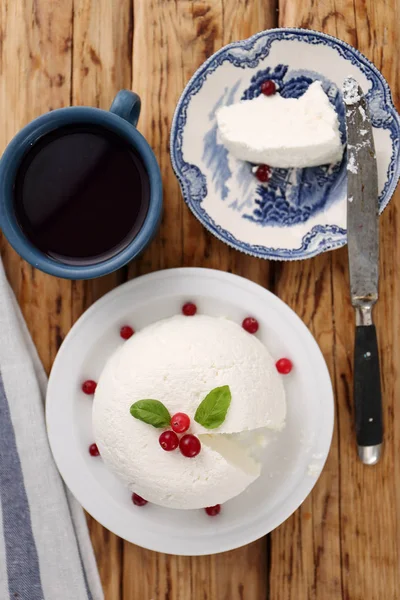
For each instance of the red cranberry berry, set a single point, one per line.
(213, 511)
(189, 309)
(89, 387)
(268, 88)
(263, 173)
(190, 445)
(126, 332)
(180, 422)
(168, 441)
(93, 450)
(138, 500)
(250, 325)
(284, 366)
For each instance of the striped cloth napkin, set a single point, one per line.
(45, 549)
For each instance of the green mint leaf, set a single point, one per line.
(152, 412)
(212, 411)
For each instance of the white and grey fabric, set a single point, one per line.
(45, 549)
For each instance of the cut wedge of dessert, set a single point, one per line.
(283, 132)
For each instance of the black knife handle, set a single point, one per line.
(367, 387)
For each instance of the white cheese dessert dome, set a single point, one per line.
(178, 361)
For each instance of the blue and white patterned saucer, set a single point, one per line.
(300, 212)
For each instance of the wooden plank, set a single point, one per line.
(306, 560)
(183, 34)
(101, 65)
(35, 64)
(306, 548)
(102, 47)
(369, 526)
(353, 549)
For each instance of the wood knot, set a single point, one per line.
(94, 57)
(59, 80)
(67, 44)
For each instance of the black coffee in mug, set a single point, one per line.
(81, 194)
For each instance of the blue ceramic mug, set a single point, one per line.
(121, 119)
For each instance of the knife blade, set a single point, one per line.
(363, 250)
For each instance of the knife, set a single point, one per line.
(363, 249)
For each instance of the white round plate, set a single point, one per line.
(292, 459)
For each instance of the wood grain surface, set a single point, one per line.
(344, 542)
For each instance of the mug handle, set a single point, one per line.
(126, 104)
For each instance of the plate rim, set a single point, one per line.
(323, 233)
(305, 486)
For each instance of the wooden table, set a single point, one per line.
(344, 542)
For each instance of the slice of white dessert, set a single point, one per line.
(283, 132)
(178, 361)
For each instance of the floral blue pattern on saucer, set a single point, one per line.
(299, 213)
